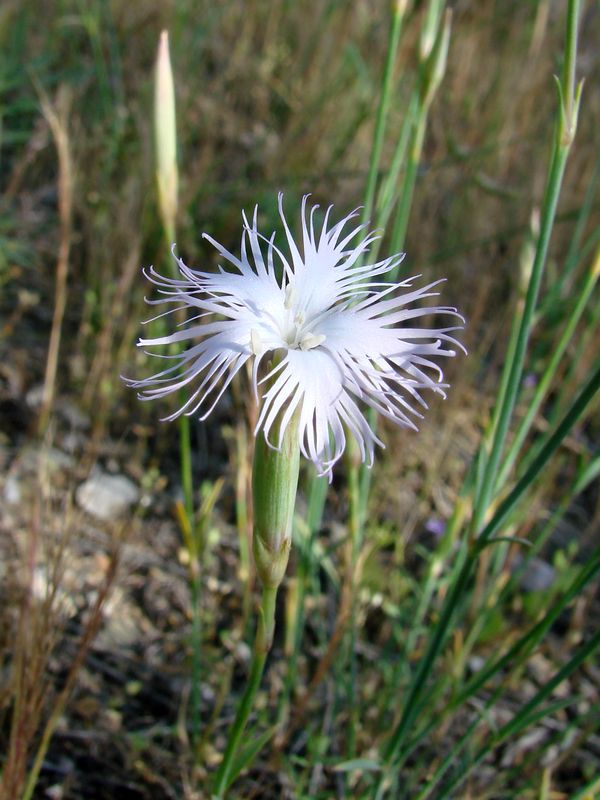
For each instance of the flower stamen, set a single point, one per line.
(311, 340)
(290, 296)
(255, 342)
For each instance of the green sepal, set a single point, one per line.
(274, 487)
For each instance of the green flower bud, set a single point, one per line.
(165, 136)
(274, 485)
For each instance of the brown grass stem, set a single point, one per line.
(57, 116)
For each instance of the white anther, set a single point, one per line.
(311, 340)
(255, 342)
(290, 296)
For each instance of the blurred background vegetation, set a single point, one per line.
(277, 96)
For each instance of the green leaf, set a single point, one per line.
(248, 753)
(510, 539)
(362, 764)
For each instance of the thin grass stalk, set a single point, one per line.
(549, 373)
(589, 336)
(521, 649)
(493, 599)
(530, 712)
(398, 12)
(452, 757)
(589, 791)
(419, 682)
(570, 62)
(355, 505)
(509, 356)
(92, 24)
(57, 119)
(435, 41)
(400, 226)
(574, 252)
(569, 99)
(504, 415)
(569, 739)
(317, 496)
(432, 68)
(356, 538)
(497, 559)
(431, 585)
(242, 518)
(525, 426)
(565, 387)
(31, 652)
(90, 631)
(388, 193)
(262, 645)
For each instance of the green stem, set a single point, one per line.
(565, 131)
(548, 376)
(382, 110)
(356, 532)
(185, 451)
(527, 715)
(274, 485)
(456, 591)
(398, 236)
(576, 251)
(488, 481)
(262, 645)
(317, 494)
(187, 484)
(568, 75)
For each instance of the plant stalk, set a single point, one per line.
(262, 645)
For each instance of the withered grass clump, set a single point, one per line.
(40, 594)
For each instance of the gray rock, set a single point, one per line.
(12, 491)
(74, 416)
(58, 460)
(538, 576)
(106, 497)
(34, 396)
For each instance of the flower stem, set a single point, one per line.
(262, 645)
(569, 99)
(387, 86)
(274, 486)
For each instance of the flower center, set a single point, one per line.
(295, 332)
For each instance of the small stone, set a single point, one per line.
(34, 396)
(12, 491)
(530, 740)
(74, 416)
(243, 653)
(58, 460)
(106, 497)
(538, 576)
(539, 666)
(476, 663)
(73, 442)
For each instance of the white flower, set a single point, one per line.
(339, 331)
